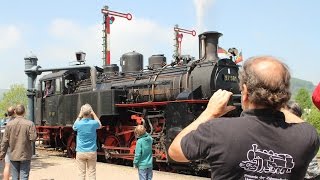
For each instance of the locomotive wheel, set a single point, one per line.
(71, 146)
(111, 141)
(132, 144)
(114, 141)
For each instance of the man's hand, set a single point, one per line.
(95, 117)
(80, 114)
(218, 104)
(93, 114)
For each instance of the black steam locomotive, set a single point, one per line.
(165, 98)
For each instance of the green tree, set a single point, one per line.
(15, 95)
(313, 118)
(303, 98)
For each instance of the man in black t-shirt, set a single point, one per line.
(263, 143)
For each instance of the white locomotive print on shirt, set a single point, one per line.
(267, 161)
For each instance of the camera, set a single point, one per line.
(235, 100)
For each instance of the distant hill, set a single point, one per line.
(297, 84)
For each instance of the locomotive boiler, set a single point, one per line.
(165, 98)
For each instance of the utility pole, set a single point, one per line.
(109, 17)
(178, 34)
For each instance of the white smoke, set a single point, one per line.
(202, 6)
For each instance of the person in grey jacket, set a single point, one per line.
(19, 134)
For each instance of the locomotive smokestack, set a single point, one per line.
(208, 43)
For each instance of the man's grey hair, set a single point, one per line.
(86, 109)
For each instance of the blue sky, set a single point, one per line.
(54, 30)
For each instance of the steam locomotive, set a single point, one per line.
(165, 98)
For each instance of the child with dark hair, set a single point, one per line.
(294, 108)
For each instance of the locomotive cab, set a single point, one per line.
(51, 90)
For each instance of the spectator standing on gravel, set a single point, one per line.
(86, 126)
(6, 170)
(143, 153)
(19, 135)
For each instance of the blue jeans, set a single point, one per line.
(145, 174)
(20, 169)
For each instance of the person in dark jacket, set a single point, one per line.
(143, 153)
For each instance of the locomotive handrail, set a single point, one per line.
(144, 84)
(155, 78)
(163, 103)
(150, 125)
(178, 69)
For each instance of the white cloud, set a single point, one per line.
(190, 45)
(140, 35)
(10, 36)
(10, 48)
(65, 37)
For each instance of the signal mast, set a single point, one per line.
(178, 34)
(109, 17)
